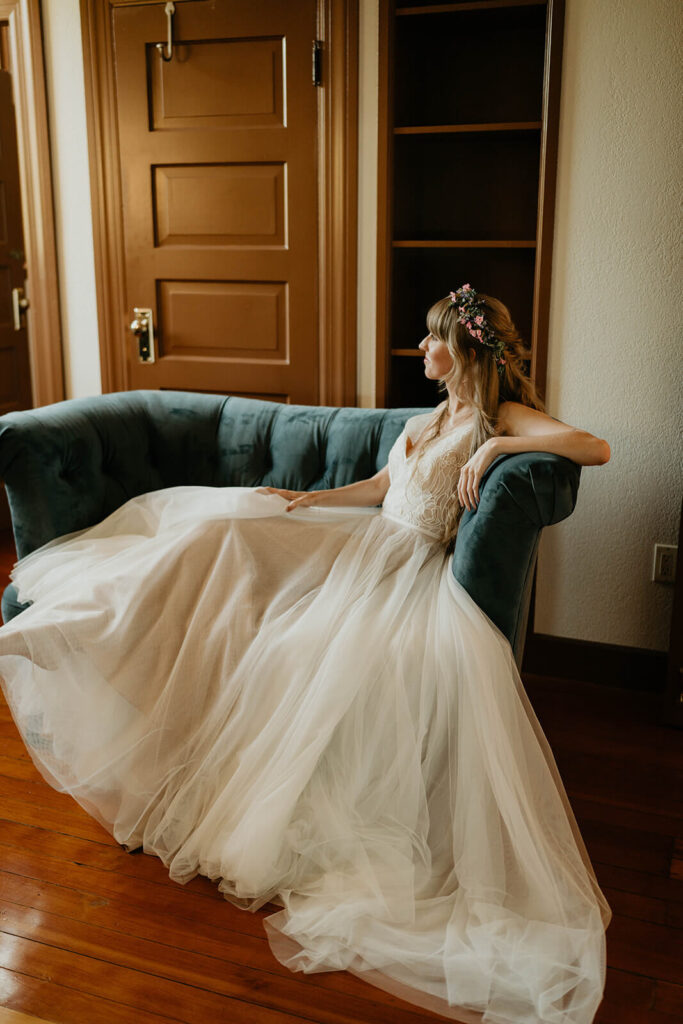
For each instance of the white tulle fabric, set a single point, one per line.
(309, 709)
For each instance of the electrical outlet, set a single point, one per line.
(664, 566)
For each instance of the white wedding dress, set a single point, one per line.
(309, 709)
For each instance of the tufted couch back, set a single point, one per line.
(69, 465)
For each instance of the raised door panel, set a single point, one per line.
(219, 174)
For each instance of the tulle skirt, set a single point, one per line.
(307, 708)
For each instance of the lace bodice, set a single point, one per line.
(423, 490)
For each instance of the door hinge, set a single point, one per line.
(317, 62)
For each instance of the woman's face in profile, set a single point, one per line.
(438, 359)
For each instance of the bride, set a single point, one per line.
(289, 693)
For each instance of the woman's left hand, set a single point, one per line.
(296, 499)
(472, 472)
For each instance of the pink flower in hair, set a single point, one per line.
(467, 288)
(479, 319)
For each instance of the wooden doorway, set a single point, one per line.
(15, 370)
(30, 338)
(224, 195)
(21, 55)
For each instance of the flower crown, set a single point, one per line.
(471, 314)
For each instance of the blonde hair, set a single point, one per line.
(487, 388)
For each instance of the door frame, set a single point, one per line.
(337, 193)
(23, 56)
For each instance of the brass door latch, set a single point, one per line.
(19, 306)
(142, 327)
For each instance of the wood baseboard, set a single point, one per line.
(633, 668)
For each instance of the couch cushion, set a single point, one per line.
(69, 465)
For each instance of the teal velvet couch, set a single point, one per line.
(69, 465)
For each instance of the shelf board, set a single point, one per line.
(444, 129)
(451, 243)
(476, 5)
(406, 352)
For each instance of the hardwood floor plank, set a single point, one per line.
(136, 990)
(620, 724)
(209, 974)
(642, 947)
(165, 901)
(18, 768)
(105, 853)
(632, 880)
(13, 745)
(645, 908)
(14, 1017)
(646, 821)
(129, 918)
(63, 1005)
(628, 999)
(624, 783)
(76, 824)
(41, 794)
(669, 999)
(628, 847)
(677, 859)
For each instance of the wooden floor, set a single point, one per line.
(92, 935)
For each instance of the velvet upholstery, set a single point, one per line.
(69, 465)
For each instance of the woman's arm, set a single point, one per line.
(529, 430)
(363, 492)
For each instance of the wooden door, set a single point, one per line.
(15, 372)
(218, 151)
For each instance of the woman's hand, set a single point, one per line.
(362, 492)
(472, 472)
(281, 491)
(296, 499)
(306, 499)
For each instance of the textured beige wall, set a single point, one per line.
(616, 318)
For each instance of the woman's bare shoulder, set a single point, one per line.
(518, 419)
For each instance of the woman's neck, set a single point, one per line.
(459, 405)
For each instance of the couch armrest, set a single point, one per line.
(10, 605)
(496, 544)
(69, 465)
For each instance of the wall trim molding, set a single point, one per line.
(338, 178)
(631, 668)
(338, 199)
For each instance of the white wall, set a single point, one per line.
(615, 319)
(71, 182)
